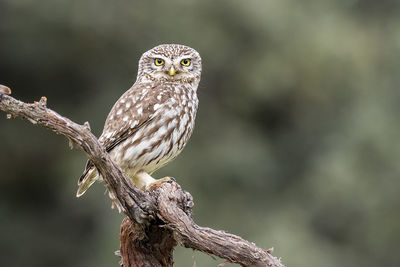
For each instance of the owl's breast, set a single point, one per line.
(163, 138)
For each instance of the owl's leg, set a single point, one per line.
(157, 183)
(144, 181)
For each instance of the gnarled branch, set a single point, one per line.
(159, 219)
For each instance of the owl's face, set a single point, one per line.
(170, 62)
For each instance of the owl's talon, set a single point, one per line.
(4, 90)
(157, 183)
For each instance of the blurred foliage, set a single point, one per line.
(296, 138)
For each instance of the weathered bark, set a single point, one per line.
(152, 246)
(159, 219)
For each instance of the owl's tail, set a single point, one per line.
(87, 179)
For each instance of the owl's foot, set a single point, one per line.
(4, 90)
(158, 182)
(147, 183)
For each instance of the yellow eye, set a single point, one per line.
(185, 62)
(158, 62)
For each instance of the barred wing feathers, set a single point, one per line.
(135, 109)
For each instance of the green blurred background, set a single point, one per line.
(295, 144)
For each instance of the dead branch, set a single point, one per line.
(158, 220)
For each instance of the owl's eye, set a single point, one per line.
(185, 62)
(158, 62)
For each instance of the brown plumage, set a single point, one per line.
(151, 123)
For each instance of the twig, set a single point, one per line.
(159, 219)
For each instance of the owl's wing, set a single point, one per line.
(111, 143)
(134, 110)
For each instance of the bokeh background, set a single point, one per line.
(296, 142)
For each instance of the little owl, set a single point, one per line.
(151, 122)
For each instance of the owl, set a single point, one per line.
(151, 123)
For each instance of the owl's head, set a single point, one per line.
(170, 62)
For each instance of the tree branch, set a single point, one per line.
(158, 219)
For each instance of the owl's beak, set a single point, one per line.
(172, 71)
